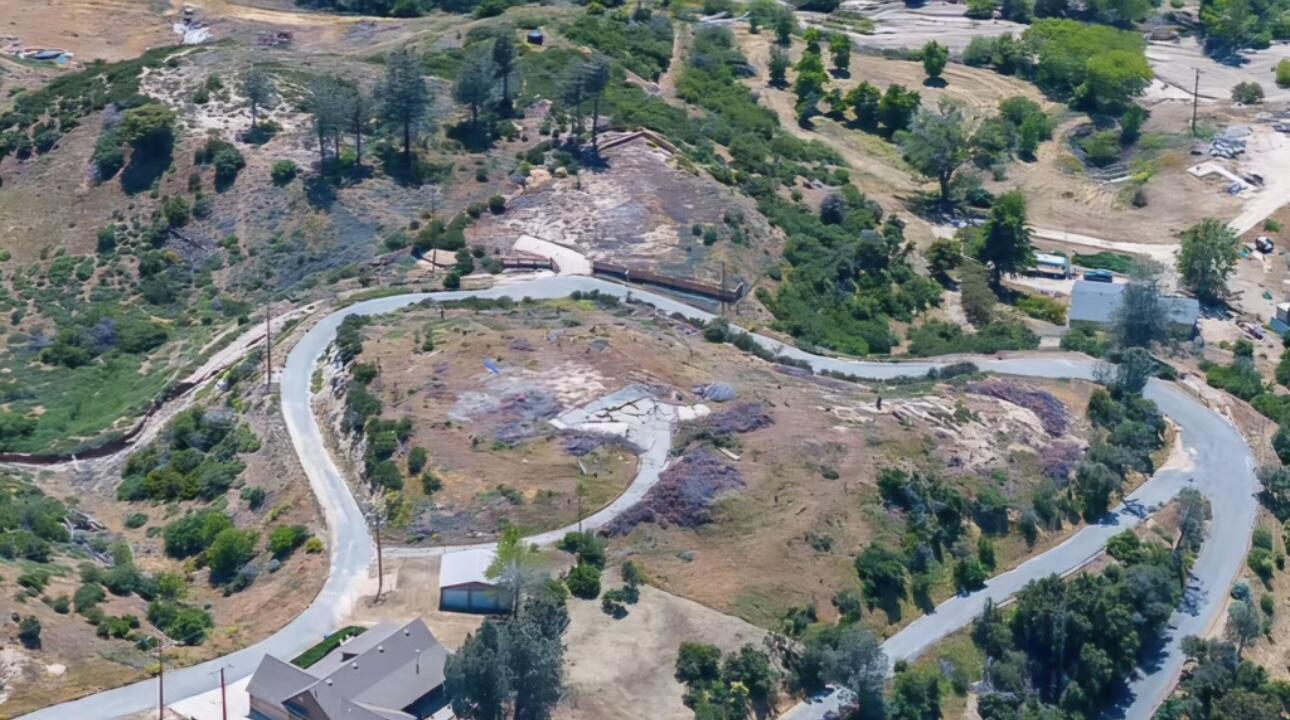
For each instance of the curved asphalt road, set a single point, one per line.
(1223, 470)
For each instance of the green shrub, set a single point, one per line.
(1283, 73)
(253, 497)
(1101, 148)
(285, 539)
(229, 551)
(1043, 308)
(88, 596)
(194, 532)
(135, 521)
(584, 581)
(497, 204)
(417, 458)
(1105, 260)
(283, 172)
(175, 210)
(1082, 338)
(1247, 92)
(182, 623)
(313, 546)
(29, 632)
(937, 337)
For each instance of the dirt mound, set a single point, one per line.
(741, 418)
(1052, 413)
(684, 494)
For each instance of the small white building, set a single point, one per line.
(464, 585)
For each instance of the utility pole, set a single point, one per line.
(723, 288)
(1195, 98)
(161, 681)
(380, 570)
(268, 346)
(223, 695)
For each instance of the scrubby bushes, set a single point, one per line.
(224, 157)
(643, 45)
(196, 457)
(182, 623)
(937, 337)
(1043, 308)
(583, 581)
(283, 172)
(194, 532)
(285, 539)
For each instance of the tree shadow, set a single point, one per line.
(889, 604)
(840, 73)
(935, 82)
(147, 165)
(320, 192)
(473, 136)
(923, 601)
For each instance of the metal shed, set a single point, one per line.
(1096, 304)
(464, 585)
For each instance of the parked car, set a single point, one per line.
(1105, 276)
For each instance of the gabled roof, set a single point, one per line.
(465, 566)
(1098, 302)
(371, 677)
(277, 680)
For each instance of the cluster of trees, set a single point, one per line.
(512, 667)
(210, 536)
(850, 275)
(1095, 68)
(196, 457)
(1230, 26)
(1224, 685)
(939, 143)
(1065, 649)
(640, 40)
(1129, 428)
(164, 590)
(741, 685)
(30, 522)
(763, 153)
(936, 540)
(384, 438)
(1120, 13)
(100, 331)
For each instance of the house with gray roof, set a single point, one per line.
(390, 672)
(1095, 304)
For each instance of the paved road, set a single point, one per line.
(1224, 471)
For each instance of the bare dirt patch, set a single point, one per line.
(808, 492)
(639, 209)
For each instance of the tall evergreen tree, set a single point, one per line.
(504, 65)
(257, 87)
(595, 79)
(405, 97)
(573, 93)
(327, 112)
(474, 84)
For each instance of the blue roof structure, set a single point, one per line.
(1096, 302)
